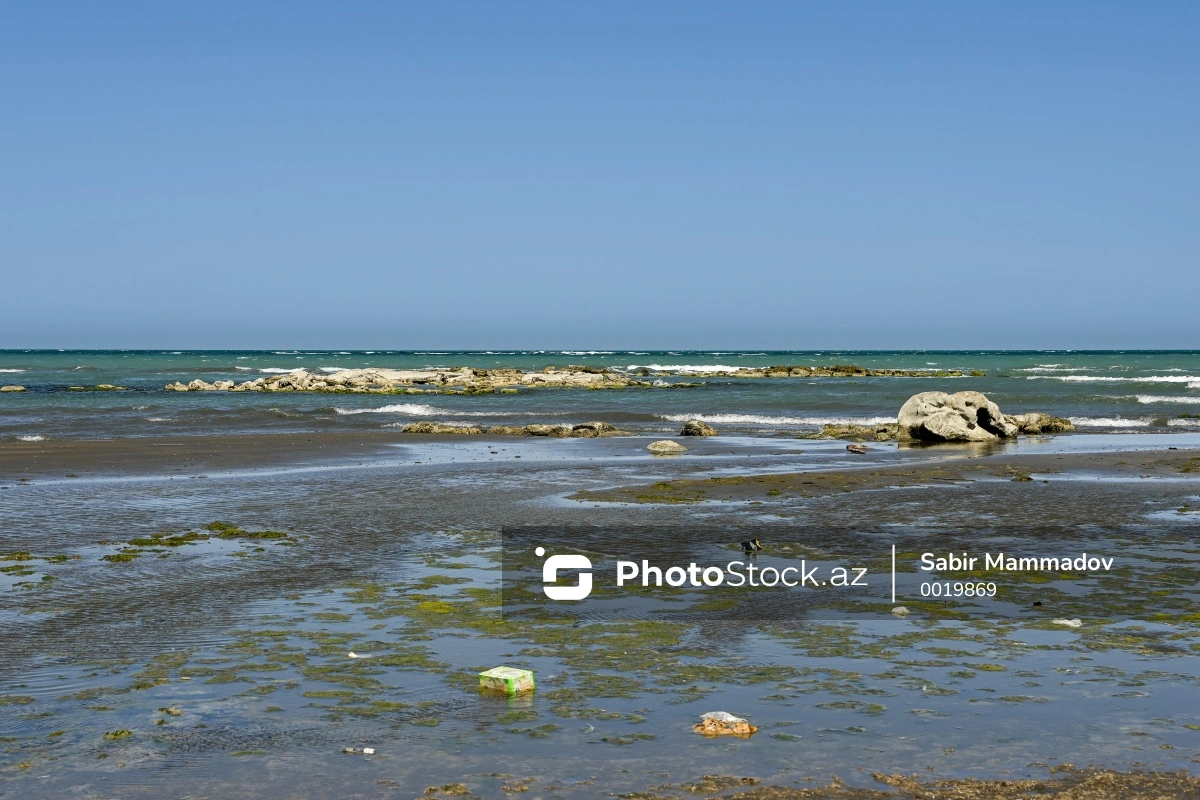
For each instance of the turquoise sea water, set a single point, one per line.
(1134, 391)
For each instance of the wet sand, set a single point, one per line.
(250, 639)
(962, 469)
(1074, 785)
(163, 455)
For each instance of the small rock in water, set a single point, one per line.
(665, 447)
(1070, 623)
(352, 654)
(359, 751)
(722, 723)
(694, 427)
(900, 611)
(857, 448)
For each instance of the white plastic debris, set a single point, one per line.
(900, 611)
(359, 751)
(352, 654)
(368, 751)
(1070, 623)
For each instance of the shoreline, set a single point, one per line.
(163, 455)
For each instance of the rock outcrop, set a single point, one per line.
(859, 433)
(592, 430)
(440, 428)
(12, 388)
(694, 427)
(509, 379)
(584, 430)
(1036, 422)
(557, 431)
(665, 447)
(967, 417)
(412, 381)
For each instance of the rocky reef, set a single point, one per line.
(471, 380)
(584, 430)
(402, 381)
(694, 427)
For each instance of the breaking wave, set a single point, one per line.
(1188, 379)
(1162, 398)
(414, 410)
(34, 438)
(1109, 422)
(685, 367)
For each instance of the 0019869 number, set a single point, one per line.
(957, 589)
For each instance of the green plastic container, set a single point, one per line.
(508, 680)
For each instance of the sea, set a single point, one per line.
(1129, 391)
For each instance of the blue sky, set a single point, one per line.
(653, 175)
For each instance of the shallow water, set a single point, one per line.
(397, 561)
(1101, 391)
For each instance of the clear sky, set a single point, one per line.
(599, 175)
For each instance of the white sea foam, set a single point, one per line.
(1188, 379)
(158, 419)
(1050, 368)
(247, 369)
(281, 370)
(586, 352)
(334, 369)
(12, 370)
(34, 438)
(414, 409)
(685, 367)
(761, 419)
(1109, 422)
(1184, 423)
(1162, 398)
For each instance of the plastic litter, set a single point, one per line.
(1070, 623)
(359, 751)
(900, 611)
(508, 680)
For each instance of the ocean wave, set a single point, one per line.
(685, 367)
(1109, 422)
(1162, 398)
(247, 369)
(333, 369)
(1049, 368)
(415, 409)
(586, 352)
(159, 419)
(1184, 423)
(12, 370)
(1188, 379)
(281, 370)
(762, 419)
(35, 438)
